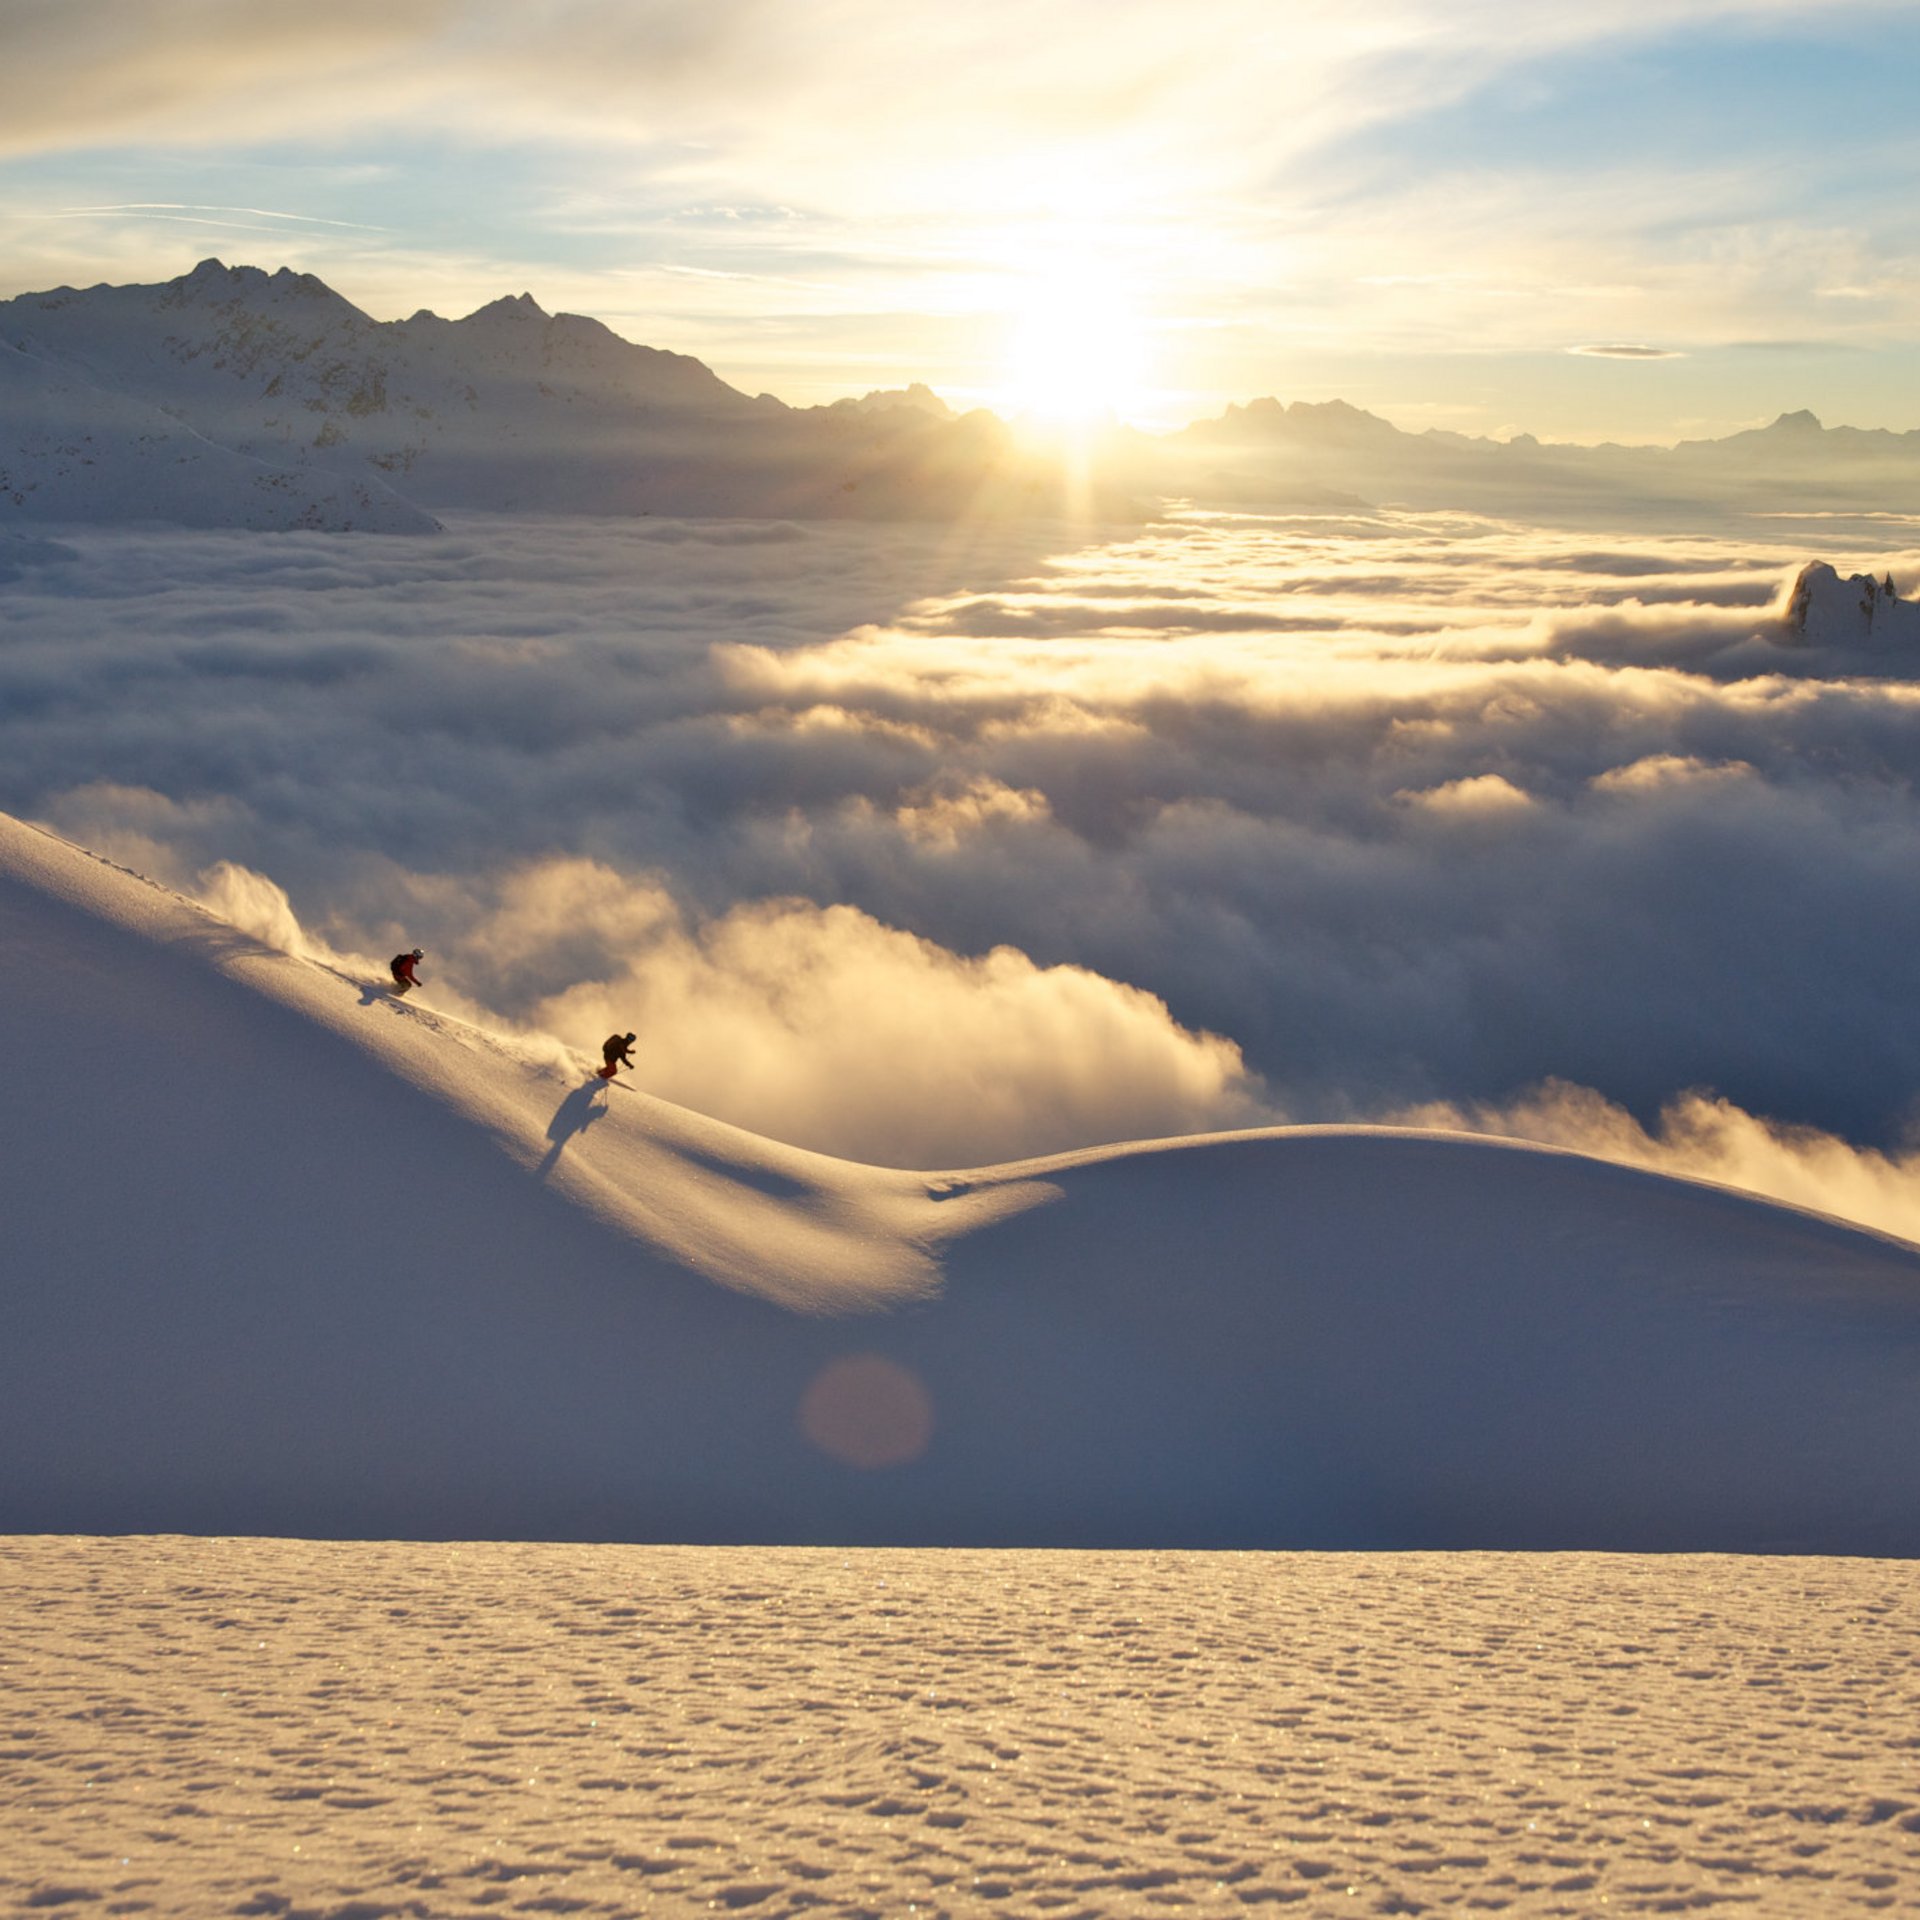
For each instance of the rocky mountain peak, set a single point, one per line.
(1826, 611)
(510, 307)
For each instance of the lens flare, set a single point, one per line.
(867, 1411)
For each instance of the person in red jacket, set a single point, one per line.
(617, 1052)
(403, 974)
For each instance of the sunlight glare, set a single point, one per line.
(1076, 352)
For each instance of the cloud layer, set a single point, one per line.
(933, 845)
(651, 68)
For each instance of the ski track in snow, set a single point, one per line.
(283, 1727)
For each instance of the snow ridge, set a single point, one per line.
(286, 1255)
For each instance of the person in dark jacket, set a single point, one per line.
(403, 974)
(617, 1052)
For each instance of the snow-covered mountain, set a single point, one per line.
(516, 409)
(511, 408)
(1858, 614)
(74, 451)
(1269, 450)
(917, 398)
(284, 1254)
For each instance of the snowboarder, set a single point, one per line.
(403, 974)
(617, 1052)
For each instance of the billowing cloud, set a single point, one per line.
(119, 68)
(811, 1024)
(1402, 809)
(822, 1025)
(1659, 770)
(1485, 794)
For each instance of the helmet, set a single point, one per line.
(419, 953)
(633, 1036)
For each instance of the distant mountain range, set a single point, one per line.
(234, 397)
(1794, 466)
(231, 397)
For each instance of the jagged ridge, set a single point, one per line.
(508, 409)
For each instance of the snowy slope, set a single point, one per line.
(72, 451)
(285, 1255)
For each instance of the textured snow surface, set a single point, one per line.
(72, 452)
(286, 1255)
(277, 1727)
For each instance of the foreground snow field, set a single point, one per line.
(284, 1255)
(277, 1727)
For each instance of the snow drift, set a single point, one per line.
(282, 1254)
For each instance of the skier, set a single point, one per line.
(616, 1051)
(403, 974)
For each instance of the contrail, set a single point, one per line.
(192, 206)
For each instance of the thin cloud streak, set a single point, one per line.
(179, 206)
(1629, 353)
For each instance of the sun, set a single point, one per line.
(1076, 352)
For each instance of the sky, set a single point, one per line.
(1636, 219)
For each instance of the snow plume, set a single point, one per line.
(818, 1026)
(254, 905)
(826, 1028)
(151, 835)
(1703, 1137)
(139, 829)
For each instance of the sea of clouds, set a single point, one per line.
(941, 846)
